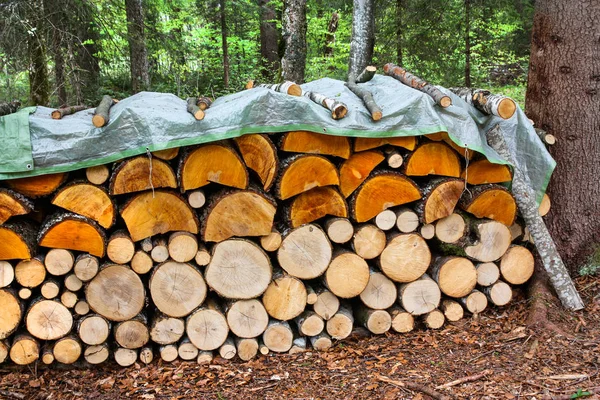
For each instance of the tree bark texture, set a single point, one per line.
(363, 37)
(468, 43)
(56, 17)
(223, 5)
(269, 37)
(330, 35)
(399, 13)
(140, 77)
(293, 62)
(565, 64)
(38, 70)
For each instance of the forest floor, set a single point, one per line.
(500, 357)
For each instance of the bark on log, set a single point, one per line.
(433, 158)
(192, 108)
(9, 107)
(141, 173)
(368, 100)
(102, 112)
(310, 323)
(13, 203)
(356, 169)
(337, 108)
(260, 155)
(303, 172)
(286, 87)
(408, 79)
(316, 143)
(376, 321)
(321, 342)
(298, 346)
(17, 240)
(486, 102)
(440, 196)
(37, 186)
(405, 258)
(204, 102)
(499, 294)
(208, 163)
(176, 288)
(305, 252)
(59, 113)
(73, 232)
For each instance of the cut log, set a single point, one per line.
(96, 354)
(147, 245)
(490, 201)
(238, 269)
(475, 302)
(67, 350)
(316, 143)
(408, 79)
(482, 171)
(347, 275)
(380, 292)
(132, 334)
(24, 350)
(183, 246)
(434, 319)
(88, 200)
(153, 213)
(487, 273)
(456, 276)
(166, 154)
(517, 265)
(30, 273)
(440, 196)
(141, 263)
(298, 346)
(116, 293)
(120, 248)
(486, 102)
(228, 350)
(68, 299)
(207, 328)
(369, 241)
(272, 241)
(98, 174)
(25, 293)
(327, 304)
(278, 336)
(186, 350)
(311, 295)
(238, 213)
(545, 205)
(286, 87)
(339, 326)
(48, 320)
(451, 229)
(402, 321)
(247, 318)
(141, 173)
(7, 274)
(17, 241)
(394, 158)
(548, 138)
(73, 283)
(493, 241)
(168, 353)
(196, 198)
(204, 357)
(216, 163)
(37, 186)
(160, 250)
(385, 220)
(81, 308)
(305, 252)
(453, 311)
(499, 293)
(50, 289)
(381, 191)
(405, 258)
(86, 267)
(146, 355)
(427, 231)
(204, 102)
(47, 356)
(419, 297)
(166, 330)
(406, 142)
(339, 230)
(260, 155)
(203, 256)
(192, 108)
(314, 204)
(309, 323)
(356, 169)
(337, 108)
(303, 172)
(376, 321)
(176, 288)
(247, 348)
(321, 342)
(11, 313)
(102, 112)
(367, 99)
(13, 203)
(125, 357)
(433, 158)
(285, 297)
(72, 232)
(59, 262)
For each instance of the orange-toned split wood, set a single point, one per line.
(13, 203)
(134, 174)
(356, 169)
(88, 200)
(216, 163)
(440, 197)
(316, 143)
(303, 172)
(37, 186)
(17, 241)
(434, 158)
(491, 201)
(482, 171)
(73, 232)
(407, 142)
(260, 155)
(314, 204)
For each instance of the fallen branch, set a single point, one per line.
(68, 110)
(9, 108)
(286, 87)
(415, 82)
(548, 138)
(486, 102)
(465, 379)
(12, 394)
(414, 386)
(204, 102)
(365, 95)
(102, 112)
(192, 108)
(337, 108)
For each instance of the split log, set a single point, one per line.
(238, 213)
(482, 172)
(316, 143)
(141, 263)
(30, 273)
(192, 108)
(238, 269)
(98, 174)
(13, 203)
(309, 323)
(68, 299)
(405, 258)
(408, 79)
(73, 283)
(517, 265)
(286, 87)
(186, 350)
(376, 321)
(59, 113)
(48, 320)
(141, 173)
(453, 311)
(402, 321)
(499, 294)
(433, 158)
(278, 336)
(493, 241)
(96, 354)
(260, 155)
(356, 169)
(339, 230)
(73, 232)
(208, 163)
(303, 172)
(168, 353)
(490, 201)
(132, 334)
(487, 273)
(120, 248)
(176, 288)
(440, 196)
(327, 304)
(380, 292)
(17, 241)
(67, 350)
(24, 350)
(183, 246)
(451, 229)
(247, 318)
(202, 257)
(486, 102)
(59, 262)
(305, 252)
(347, 275)
(367, 98)
(116, 293)
(160, 250)
(152, 213)
(285, 297)
(37, 186)
(456, 276)
(11, 313)
(125, 357)
(7, 274)
(204, 357)
(166, 330)
(434, 319)
(86, 267)
(427, 231)
(364, 143)
(247, 348)
(272, 241)
(475, 302)
(381, 191)
(196, 198)
(102, 112)
(337, 108)
(81, 308)
(207, 327)
(419, 297)
(50, 289)
(146, 355)
(369, 241)
(321, 342)
(315, 204)
(339, 326)
(545, 205)
(166, 154)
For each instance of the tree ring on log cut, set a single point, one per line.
(405, 258)
(48, 320)
(305, 252)
(10, 313)
(207, 329)
(176, 288)
(208, 163)
(116, 293)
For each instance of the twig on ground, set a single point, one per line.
(465, 379)
(414, 386)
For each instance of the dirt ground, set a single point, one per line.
(499, 357)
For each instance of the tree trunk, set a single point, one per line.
(56, 18)
(222, 6)
(140, 77)
(82, 52)
(293, 62)
(468, 43)
(330, 35)
(564, 65)
(399, 12)
(269, 37)
(38, 70)
(363, 37)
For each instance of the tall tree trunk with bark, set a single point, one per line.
(330, 36)
(399, 13)
(57, 18)
(269, 37)
(363, 36)
(222, 5)
(468, 43)
(563, 98)
(140, 77)
(293, 63)
(38, 70)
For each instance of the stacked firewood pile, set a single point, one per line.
(266, 243)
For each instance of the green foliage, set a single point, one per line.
(580, 393)
(592, 265)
